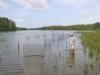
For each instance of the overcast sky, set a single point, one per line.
(37, 13)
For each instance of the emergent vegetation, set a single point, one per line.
(92, 41)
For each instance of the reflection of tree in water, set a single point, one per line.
(85, 69)
(89, 65)
(91, 61)
(85, 63)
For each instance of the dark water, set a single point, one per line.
(45, 53)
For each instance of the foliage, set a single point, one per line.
(92, 40)
(7, 24)
(20, 28)
(97, 25)
(73, 27)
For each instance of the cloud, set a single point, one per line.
(3, 5)
(19, 20)
(76, 3)
(32, 4)
(84, 9)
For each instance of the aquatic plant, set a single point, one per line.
(92, 41)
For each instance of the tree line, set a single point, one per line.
(7, 24)
(72, 27)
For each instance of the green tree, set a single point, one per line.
(97, 25)
(7, 24)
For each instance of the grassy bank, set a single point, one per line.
(92, 41)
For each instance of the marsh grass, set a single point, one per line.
(92, 41)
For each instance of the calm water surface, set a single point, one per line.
(45, 53)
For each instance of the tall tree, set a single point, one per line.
(7, 24)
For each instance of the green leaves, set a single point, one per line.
(6, 24)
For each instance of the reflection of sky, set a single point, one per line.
(9, 58)
(47, 52)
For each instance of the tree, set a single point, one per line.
(7, 24)
(97, 25)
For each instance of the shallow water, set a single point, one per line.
(45, 53)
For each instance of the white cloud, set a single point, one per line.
(87, 10)
(19, 20)
(3, 5)
(92, 12)
(33, 4)
(76, 3)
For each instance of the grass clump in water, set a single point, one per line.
(92, 41)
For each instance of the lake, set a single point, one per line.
(45, 53)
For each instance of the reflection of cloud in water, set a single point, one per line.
(33, 49)
(45, 53)
(2, 40)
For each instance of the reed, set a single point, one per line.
(92, 41)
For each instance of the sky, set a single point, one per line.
(39, 13)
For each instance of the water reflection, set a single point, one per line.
(9, 59)
(71, 59)
(45, 53)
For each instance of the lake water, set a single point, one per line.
(45, 53)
